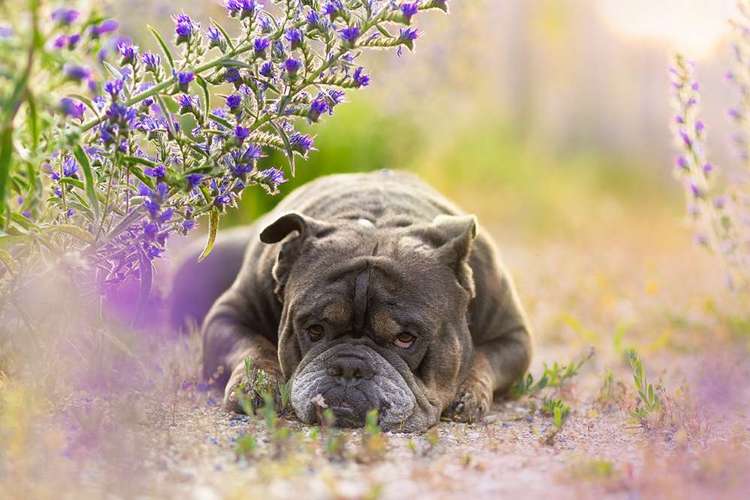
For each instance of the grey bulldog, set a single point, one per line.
(364, 291)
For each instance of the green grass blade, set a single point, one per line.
(213, 227)
(88, 175)
(164, 46)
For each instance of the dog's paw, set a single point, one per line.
(472, 403)
(252, 387)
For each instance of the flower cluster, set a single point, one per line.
(147, 143)
(721, 216)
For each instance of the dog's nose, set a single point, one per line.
(349, 368)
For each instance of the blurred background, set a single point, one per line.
(542, 114)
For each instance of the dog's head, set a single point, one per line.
(373, 318)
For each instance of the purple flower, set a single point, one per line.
(261, 45)
(188, 103)
(696, 190)
(336, 96)
(121, 115)
(193, 180)
(241, 133)
(222, 200)
(699, 127)
(294, 36)
(682, 163)
(301, 143)
(214, 37)
(266, 69)
(128, 51)
(735, 114)
(76, 73)
(273, 177)
(184, 79)
(70, 167)
(158, 172)
(707, 169)
(409, 10)
(317, 108)
(333, 8)
(188, 225)
(151, 61)
(64, 16)
(407, 37)
(232, 75)
(686, 139)
(359, 78)
(60, 41)
(234, 101)
(72, 108)
(103, 28)
(184, 28)
(73, 41)
(243, 8)
(313, 20)
(350, 34)
(292, 66)
(114, 87)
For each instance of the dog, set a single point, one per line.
(362, 291)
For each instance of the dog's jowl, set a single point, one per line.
(366, 291)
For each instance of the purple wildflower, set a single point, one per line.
(151, 60)
(313, 20)
(409, 10)
(184, 79)
(243, 8)
(232, 75)
(72, 108)
(73, 41)
(234, 101)
(707, 169)
(350, 34)
(301, 143)
(128, 51)
(261, 45)
(193, 180)
(70, 167)
(682, 163)
(188, 225)
(241, 133)
(188, 103)
(158, 172)
(214, 37)
(266, 69)
(292, 66)
(76, 73)
(407, 37)
(60, 41)
(294, 37)
(65, 16)
(273, 177)
(114, 87)
(317, 108)
(223, 199)
(696, 191)
(184, 28)
(333, 8)
(359, 78)
(103, 28)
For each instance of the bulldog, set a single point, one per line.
(361, 291)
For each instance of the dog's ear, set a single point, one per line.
(452, 237)
(281, 230)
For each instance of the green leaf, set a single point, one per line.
(88, 175)
(164, 46)
(206, 95)
(287, 145)
(113, 70)
(6, 148)
(33, 121)
(213, 226)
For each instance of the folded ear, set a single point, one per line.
(279, 230)
(452, 237)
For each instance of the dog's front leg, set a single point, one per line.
(496, 365)
(242, 361)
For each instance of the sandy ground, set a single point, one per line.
(152, 433)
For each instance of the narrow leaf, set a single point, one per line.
(10, 263)
(213, 226)
(164, 46)
(88, 175)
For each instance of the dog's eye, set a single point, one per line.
(404, 340)
(315, 332)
